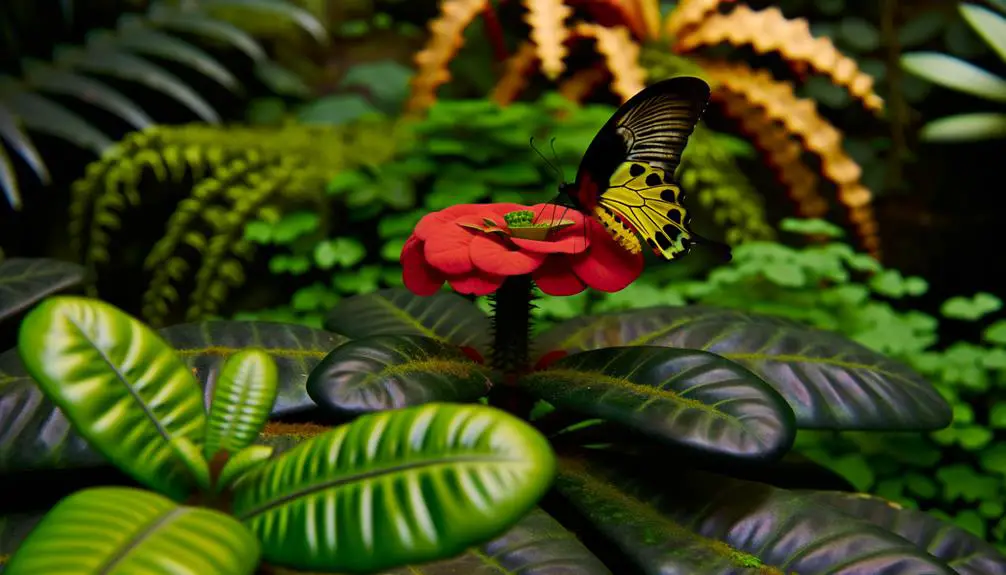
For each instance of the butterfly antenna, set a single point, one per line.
(546, 160)
(555, 157)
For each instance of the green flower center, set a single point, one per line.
(521, 224)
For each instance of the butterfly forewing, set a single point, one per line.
(628, 168)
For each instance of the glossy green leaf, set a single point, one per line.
(244, 395)
(296, 350)
(965, 128)
(684, 397)
(393, 371)
(989, 25)
(122, 386)
(194, 23)
(829, 381)
(537, 545)
(693, 522)
(120, 531)
(397, 487)
(962, 551)
(444, 316)
(955, 74)
(46, 78)
(192, 456)
(124, 65)
(26, 281)
(241, 463)
(40, 114)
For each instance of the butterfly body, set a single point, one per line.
(626, 177)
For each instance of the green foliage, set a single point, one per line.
(245, 392)
(271, 179)
(831, 286)
(959, 75)
(26, 103)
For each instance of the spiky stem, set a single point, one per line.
(511, 323)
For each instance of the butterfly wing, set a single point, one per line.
(626, 177)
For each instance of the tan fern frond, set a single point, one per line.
(446, 38)
(689, 13)
(781, 152)
(801, 119)
(516, 72)
(769, 31)
(581, 84)
(621, 54)
(547, 19)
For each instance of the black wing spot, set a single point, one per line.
(668, 195)
(674, 215)
(672, 232)
(636, 170)
(650, 241)
(662, 241)
(668, 179)
(653, 180)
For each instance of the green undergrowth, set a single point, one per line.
(956, 473)
(467, 152)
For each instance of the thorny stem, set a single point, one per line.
(511, 324)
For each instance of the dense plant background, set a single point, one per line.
(208, 159)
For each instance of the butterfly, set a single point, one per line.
(626, 177)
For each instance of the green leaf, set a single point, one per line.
(693, 522)
(242, 462)
(971, 309)
(242, 399)
(296, 350)
(393, 371)
(989, 25)
(335, 110)
(279, 11)
(282, 81)
(391, 457)
(194, 23)
(119, 531)
(295, 225)
(955, 74)
(344, 252)
(387, 81)
(40, 114)
(444, 316)
(47, 78)
(192, 456)
(347, 182)
(996, 333)
(859, 34)
(25, 282)
(687, 398)
(119, 383)
(965, 128)
(811, 227)
(824, 376)
(921, 29)
(960, 550)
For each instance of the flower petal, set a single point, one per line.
(490, 254)
(607, 266)
(549, 358)
(448, 249)
(476, 283)
(556, 277)
(417, 275)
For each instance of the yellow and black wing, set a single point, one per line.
(627, 173)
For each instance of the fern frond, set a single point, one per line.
(769, 31)
(547, 19)
(516, 72)
(802, 120)
(689, 13)
(621, 54)
(446, 38)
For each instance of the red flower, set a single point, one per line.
(472, 248)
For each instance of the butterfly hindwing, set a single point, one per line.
(651, 203)
(649, 133)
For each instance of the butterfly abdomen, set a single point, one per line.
(619, 229)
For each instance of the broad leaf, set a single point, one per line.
(397, 487)
(241, 463)
(14, 529)
(829, 381)
(122, 386)
(296, 349)
(964, 552)
(537, 545)
(445, 316)
(703, 524)
(121, 531)
(989, 25)
(965, 128)
(956, 74)
(244, 395)
(390, 372)
(24, 282)
(687, 398)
